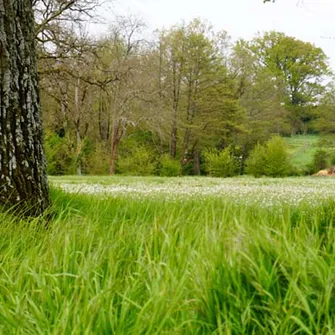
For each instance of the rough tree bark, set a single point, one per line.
(23, 179)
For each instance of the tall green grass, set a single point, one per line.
(153, 267)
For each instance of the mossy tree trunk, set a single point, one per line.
(23, 179)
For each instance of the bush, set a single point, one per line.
(97, 162)
(169, 167)
(320, 161)
(60, 160)
(269, 160)
(220, 163)
(277, 159)
(140, 162)
(255, 164)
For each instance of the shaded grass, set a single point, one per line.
(125, 266)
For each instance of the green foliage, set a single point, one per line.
(199, 87)
(269, 160)
(300, 66)
(325, 120)
(82, 154)
(220, 163)
(255, 164)
(187, 169)
(320, 161)
(63, 157)
(202, 97)
(169, 167)
(139, 161)
(277, 160)
(97, 161)
(137, 154)
(59, 157)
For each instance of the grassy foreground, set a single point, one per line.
(146, 266)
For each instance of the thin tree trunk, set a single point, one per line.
(116, 132)
(174, 130)
(79, 148)
(185, 145)
(112, 165)
(78, 136)
(100, 121)
(188, 120)
(160, 70)
(116, 136)
(64, 107)
(23, 179)
(176, 97)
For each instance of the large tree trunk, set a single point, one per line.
(23, 179)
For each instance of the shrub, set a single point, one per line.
(277, 160)
(169, 167)
(187, 169)
(220, 163)
(270, 159)
(97, 162)
(320, 161)
(140, 162)
(60, 160)
(255, 164)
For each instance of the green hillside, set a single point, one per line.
(303, 147)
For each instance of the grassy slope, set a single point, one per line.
(185, 267)
(302, 149)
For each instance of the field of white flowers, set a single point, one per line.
(265, 192)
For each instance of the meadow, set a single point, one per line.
(135, 255)
(302, 148)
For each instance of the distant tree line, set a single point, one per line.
(122, 104)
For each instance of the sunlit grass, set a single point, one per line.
(150, 266)
(302, 149)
